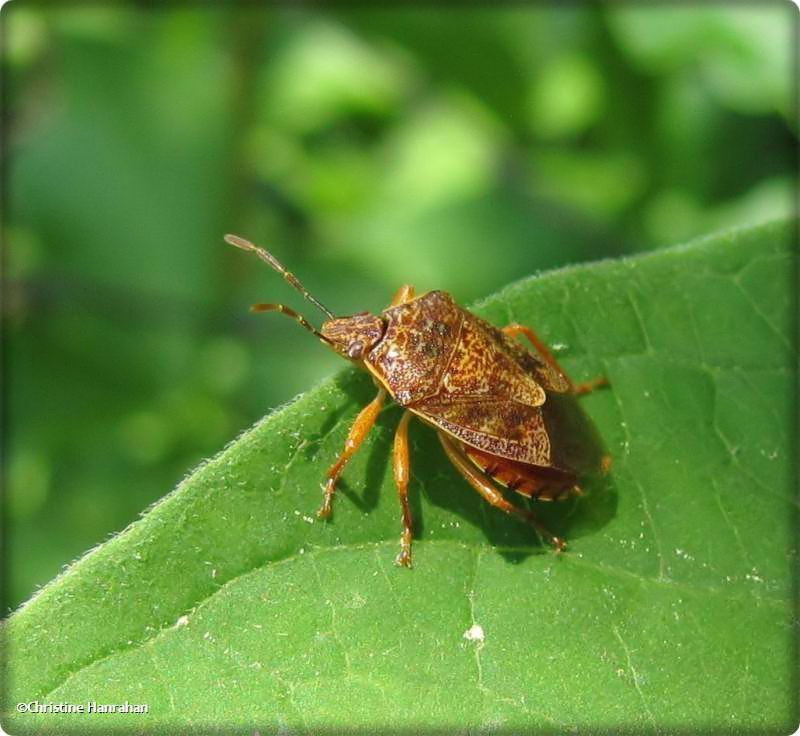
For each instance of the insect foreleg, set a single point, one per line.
(364, 422)
(487, 489)
(404, 294)
(402, 471)
(576, 388)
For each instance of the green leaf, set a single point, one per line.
(228, 607)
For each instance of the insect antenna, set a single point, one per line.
(270, 260)
(283, 309)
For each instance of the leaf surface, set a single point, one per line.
(228, 606)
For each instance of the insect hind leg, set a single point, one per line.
(488, 490)
(579, 389)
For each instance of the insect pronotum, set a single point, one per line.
(480, 389)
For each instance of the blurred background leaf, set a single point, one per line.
(455, 149)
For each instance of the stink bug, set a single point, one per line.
(481, 391)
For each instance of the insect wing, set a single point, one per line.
(508, 429)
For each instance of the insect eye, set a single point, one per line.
(356, 349)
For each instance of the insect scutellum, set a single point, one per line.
(352, 337)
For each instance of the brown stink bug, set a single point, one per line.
(473, 383)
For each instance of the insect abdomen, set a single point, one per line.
(544, 484)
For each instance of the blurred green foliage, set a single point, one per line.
(456, 149)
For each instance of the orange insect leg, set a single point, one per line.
(364, 422)
(485, 487)
(404, 294)
(402, 471)
(544, 351)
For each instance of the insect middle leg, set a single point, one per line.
(362, 425)
(487, 489)
(576, 388)
(402, 472)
